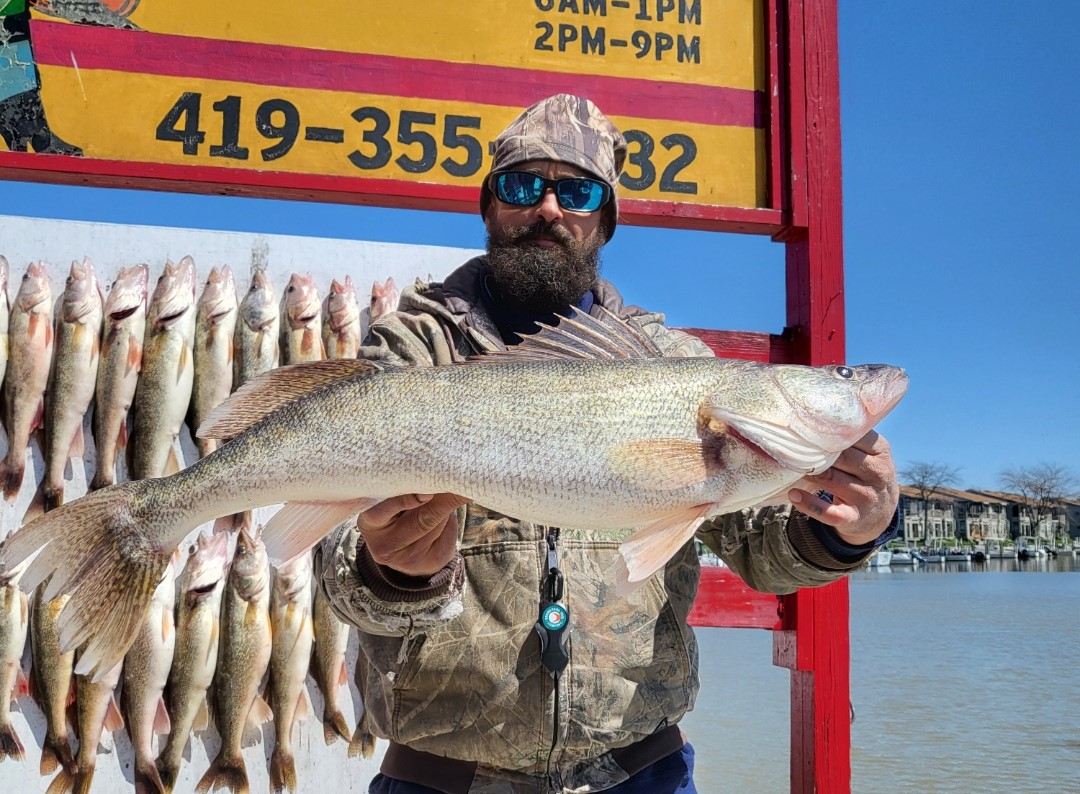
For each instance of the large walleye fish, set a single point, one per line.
(580, 426)
(74, 372)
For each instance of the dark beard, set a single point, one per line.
(543, 280)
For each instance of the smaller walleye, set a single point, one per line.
(14, 619)
(255, 343)
(74, 372)
(341, 321)
(5, 312)
(243, 655)
(384, 299)
(52, 681)
(30, 332)
(301, 321)
(197, 632)
(215, 324)
(290, 657)
(146, 671)
(328, 665)
(163, 392)
(95, 704)
(118, 368)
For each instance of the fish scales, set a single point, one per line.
(578, 443)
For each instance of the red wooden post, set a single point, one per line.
(813, 641)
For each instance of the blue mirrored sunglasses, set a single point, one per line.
(574, 193)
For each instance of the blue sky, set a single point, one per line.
(961, 173)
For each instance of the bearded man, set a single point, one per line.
(467, 664)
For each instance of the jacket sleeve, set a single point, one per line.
(774, 549)
(363, 593)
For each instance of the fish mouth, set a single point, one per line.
(123, 314)
(168, 318)
(882, 396)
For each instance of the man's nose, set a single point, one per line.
(549, 208)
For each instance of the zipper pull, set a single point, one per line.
(553, 627)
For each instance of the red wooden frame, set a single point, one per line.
(803, 212)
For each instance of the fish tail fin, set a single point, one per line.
(147, 780)
(334, 725)
(12, 476)
(98, 550)
(229, 773)
(282, 771)
(51, 498)
(362, 743)
(649, 549)
(56, 754)
(83, 780)
(10, 746)
(168, 772)
(63, 783)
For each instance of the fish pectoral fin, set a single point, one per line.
(298, 526)
(661, 464)
(779, 442)
(162, 723)
(114, 721)
(267, 392)
(649, 549)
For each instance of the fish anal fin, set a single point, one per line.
(649, 549)
(172, 462)
(114, 720)
(303, 706)
(22, 685)
(78, 444)
(259, 714)
(202, 717)
(665, 464)
(267, 392)
(298, 526)
(162, 724)
(343, 674)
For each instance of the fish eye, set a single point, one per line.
(847, 373)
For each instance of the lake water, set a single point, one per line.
(965, 678)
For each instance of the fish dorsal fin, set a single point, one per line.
(267, 392)
(581, 336)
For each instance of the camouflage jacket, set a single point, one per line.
(451, 666)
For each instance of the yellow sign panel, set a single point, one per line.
(366, 91)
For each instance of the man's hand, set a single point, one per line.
(864, 490)
(415, 534)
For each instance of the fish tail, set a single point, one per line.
(282, 771)
(167, 772)
(82, 781)
(10, 746)
(147, 780)
(99, 551)
(362, 743)
(64, 783)
(56, 754)
(103, 478)
(334, 725)
(51, 499)
(225, 773)
(11, 475)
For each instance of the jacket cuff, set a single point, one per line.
(808, 542)
(390, 586)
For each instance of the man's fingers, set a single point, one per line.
(384, 513)
(872, 443)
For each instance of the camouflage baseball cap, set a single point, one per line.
(567, 129)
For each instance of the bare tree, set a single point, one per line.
(928, 477)
(1041, 488)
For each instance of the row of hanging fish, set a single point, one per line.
(215, 628)
(155, 360)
